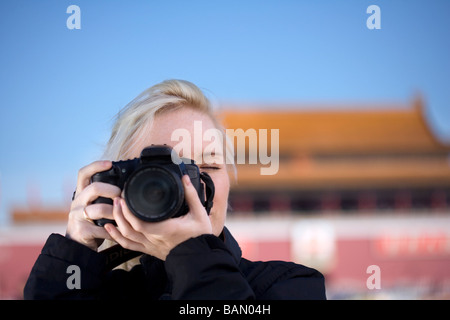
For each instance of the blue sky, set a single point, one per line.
(60, 88)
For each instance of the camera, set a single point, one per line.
(152, 186)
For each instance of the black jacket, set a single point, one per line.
(205, 267)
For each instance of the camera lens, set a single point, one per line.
(154, 193)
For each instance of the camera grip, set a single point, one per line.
(102, 222)
(108, 176)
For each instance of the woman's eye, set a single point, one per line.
(209, 168)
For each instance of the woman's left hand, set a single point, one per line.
(158, 238)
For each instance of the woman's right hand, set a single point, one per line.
(80, 227)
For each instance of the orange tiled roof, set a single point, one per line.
(369, 146)
(368, 129)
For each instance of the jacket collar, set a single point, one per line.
(231, 244)
(229, 241)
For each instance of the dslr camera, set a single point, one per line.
(152, 186)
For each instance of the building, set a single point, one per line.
(358, 187)
(375, 158)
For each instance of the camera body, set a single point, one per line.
(152, 186)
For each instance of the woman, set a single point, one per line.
(190, 257)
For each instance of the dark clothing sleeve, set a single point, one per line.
(204, 267)
(280, 280)
(200, 268)
(49, 275)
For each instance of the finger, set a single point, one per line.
(124, 226)
(95, 190)
(117, 236)
(133, 221)
(191, 196)
(98, 233)
(99, 211)
(84, 231)
(85, 173)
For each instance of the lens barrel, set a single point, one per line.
(154, 193)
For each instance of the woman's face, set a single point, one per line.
(193, 123)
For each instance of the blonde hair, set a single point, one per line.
(133, 118)
(131, 121)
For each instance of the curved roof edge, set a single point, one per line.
(421, 110)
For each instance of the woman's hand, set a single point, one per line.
(80, 226)
(158, 238)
